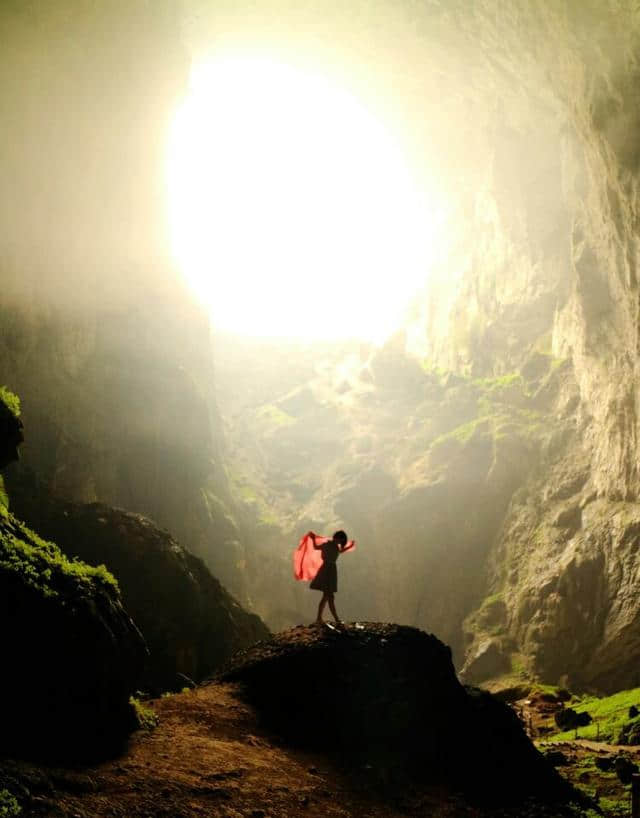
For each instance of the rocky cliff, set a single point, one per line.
(551, 265)
(191, 624)
(71, 653)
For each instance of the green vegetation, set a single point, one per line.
(499, 383)
(144, 716)
(11, 401)
(517, 665)
(272, 417)
(43, 566)
(4, 499)
(609, 715)
(9, 807)
(459, 435)
(492, 600)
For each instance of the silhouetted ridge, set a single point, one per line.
(387, 697)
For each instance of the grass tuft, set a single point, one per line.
(144, 716)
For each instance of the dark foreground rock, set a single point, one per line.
(71, 655)
(386, 697)
(190, 622)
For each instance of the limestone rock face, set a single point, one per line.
(190, 622)
(550, 260)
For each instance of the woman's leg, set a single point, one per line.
(332, 608)
(321, 608)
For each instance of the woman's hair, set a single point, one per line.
(340, 536)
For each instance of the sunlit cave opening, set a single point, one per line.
(293, 209)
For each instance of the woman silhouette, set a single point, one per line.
(326, 580)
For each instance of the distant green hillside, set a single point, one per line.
(610, 714)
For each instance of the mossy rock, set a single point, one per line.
(190, 622)
(72, 655)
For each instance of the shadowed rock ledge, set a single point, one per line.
(386, 698)
(190, 622)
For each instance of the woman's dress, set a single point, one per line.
(326, 579)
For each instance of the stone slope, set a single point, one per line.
(190, 622)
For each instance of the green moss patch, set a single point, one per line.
(11, 401)
(145, 717)
(9, 807)
(609, 715)
(43, 566)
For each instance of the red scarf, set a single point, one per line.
(307, 559)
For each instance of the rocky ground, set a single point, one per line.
(213, 753)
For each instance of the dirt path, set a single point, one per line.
(592, 745)
(209, 757)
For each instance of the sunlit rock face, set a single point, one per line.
(549, 263)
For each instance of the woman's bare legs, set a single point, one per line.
(332, 608)
(321, 608)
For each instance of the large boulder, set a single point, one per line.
(71, 654)
(386, 698)
(190, 622)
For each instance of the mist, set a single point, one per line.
(369, 267)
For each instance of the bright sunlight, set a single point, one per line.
(292, 209)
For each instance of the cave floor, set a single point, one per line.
(209, 756)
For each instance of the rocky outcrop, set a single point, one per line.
(190, 622)
(387, 697)
(72, 656)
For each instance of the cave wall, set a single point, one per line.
(549, 264)
(532, 112)
(98, 333)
